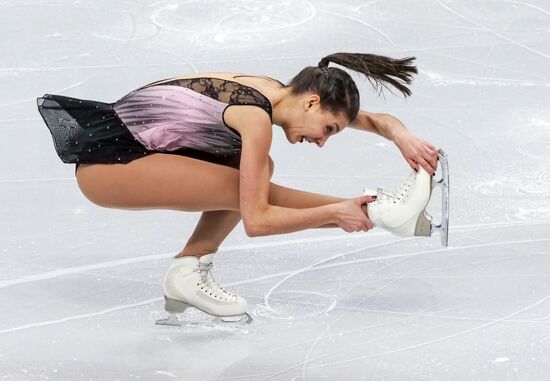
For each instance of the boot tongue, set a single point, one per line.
(205, 260)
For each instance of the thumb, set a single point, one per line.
(367, 199)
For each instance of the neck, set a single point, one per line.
(283, 103)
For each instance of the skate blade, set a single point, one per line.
(229, 324)
(443, 182)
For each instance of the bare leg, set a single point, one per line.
(161, 181)
(213, 227)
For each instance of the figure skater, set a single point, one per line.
(202, 142)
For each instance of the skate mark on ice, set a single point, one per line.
(105, 66)
(454, 46)
(404, 256)
(362, 22)
(78, 317)
(18, 120)
(79, 269)
(490, 322)
(304, 364)
(443, 79)
(438, 79)
(443, 338)
(358, 8)
(277, 315)
(411, 316)
(155, 257)
(255, 31)
(529, 5)
(352, 287)
(505, 186)
(266, 307)
(422, 344)
(415, 315)
(165, 373)
(535, 146)
(529, 214)
(487, 29)
(406, 317)
(33, 99)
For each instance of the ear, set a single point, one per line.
(311, 101)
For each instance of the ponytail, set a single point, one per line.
(381, 71)
(336, 88)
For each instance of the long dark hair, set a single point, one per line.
(337, 89)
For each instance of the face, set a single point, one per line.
(312, 124)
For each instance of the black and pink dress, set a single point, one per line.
(182, 117)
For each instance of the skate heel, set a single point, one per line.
(423, 225)
(420, 226)
(174, 306)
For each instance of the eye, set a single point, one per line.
(330, 129)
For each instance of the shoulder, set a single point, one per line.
(248, 120)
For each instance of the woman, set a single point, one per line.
(180, 144)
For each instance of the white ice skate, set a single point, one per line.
(187, 284)
(403, 212)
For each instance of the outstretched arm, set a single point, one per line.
(416, 151)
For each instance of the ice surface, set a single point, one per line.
(80, 285)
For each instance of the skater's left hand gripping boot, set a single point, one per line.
(187, 284)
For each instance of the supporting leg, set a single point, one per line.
(213, 227)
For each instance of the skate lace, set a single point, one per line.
(209, 285)
(399, 194)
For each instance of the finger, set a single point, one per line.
(413, 164)
(427, 166)
(434, 153)
(367, 199)
(429, 145)
(432, 161)
(430, 151)
(427, 161)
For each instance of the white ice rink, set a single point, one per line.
(80, 285)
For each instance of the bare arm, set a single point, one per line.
(384, 125)
(259, 217)
(415, 151)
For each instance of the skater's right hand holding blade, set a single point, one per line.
(417, 152)
(351, 215)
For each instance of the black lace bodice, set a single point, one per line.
(222, 90)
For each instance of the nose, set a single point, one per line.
(321, 141)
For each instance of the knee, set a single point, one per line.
(90, 187)
(271, 167)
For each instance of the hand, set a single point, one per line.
(351, 214)
(417, 152)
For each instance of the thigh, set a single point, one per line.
(161, 181)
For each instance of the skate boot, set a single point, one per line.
(403, 212)
(187, 284)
